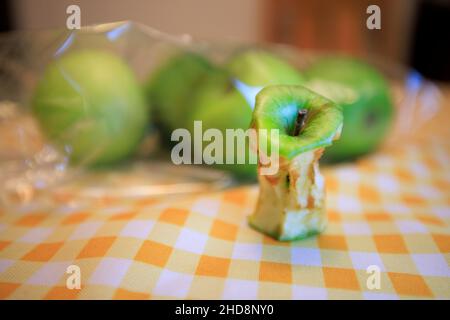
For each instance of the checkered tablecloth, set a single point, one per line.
(391, 210)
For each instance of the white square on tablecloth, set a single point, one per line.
(240, 289)
(379, 296)
(348, 205)
(36, 235)
(419, 170)
(110, 271)
(441, 211)
(85, 230)
(356, 228)
(5, 264)
(247, 251)
(308, 293)
(431, 265)
(49, 274)
(173, 284)
(397, 208)
(138, 229)
(411, 226)
(191, 241)
(361, 260)
(207, 207)
(387, 183)
(306, 256)
(348, 174)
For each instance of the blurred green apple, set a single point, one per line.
(90, 102)
(262, 68)
(225, 99)
(171, 86)
(220, 106)
(364, 95)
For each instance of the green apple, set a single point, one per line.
(171, 86)
(261, 68)
(220, 106)
(364, 95)
(90, 102)
(225, 99)
(291, 202)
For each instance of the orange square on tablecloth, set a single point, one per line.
(409, 284)
(62, 293)
(212, 266)
(4, 244)
(441, 184)
(154, 253)
(331, 184)
(275, 272)
(43, 252)
(31, 220)
(145, 202)
(368, 194)
(122, 294)
(442, 241)
(76, 218)
(404, 175)
(174, 216)
(335, 242)
(379, 216)
(431, 162)
(333, 216)
(223, 230)
(96, 247)
(430, 219)
(340, 278)
(390, 244)
(7, 288)
(366, 166)
(123, 216)
(414, 200)
(237, 197)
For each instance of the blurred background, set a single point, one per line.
(413, 32)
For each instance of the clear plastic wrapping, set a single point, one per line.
(36, 169)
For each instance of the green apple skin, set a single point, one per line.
(261, 68)
(367, 106)
(220, 105)
(277, 108)
(91, 102)
(170, 87)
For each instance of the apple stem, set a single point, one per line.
(300, 122)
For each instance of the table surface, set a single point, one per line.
(390, 210)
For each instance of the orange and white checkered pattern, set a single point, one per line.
(391, 210)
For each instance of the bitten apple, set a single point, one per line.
(291, 202)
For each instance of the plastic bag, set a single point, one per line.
(37, 171)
